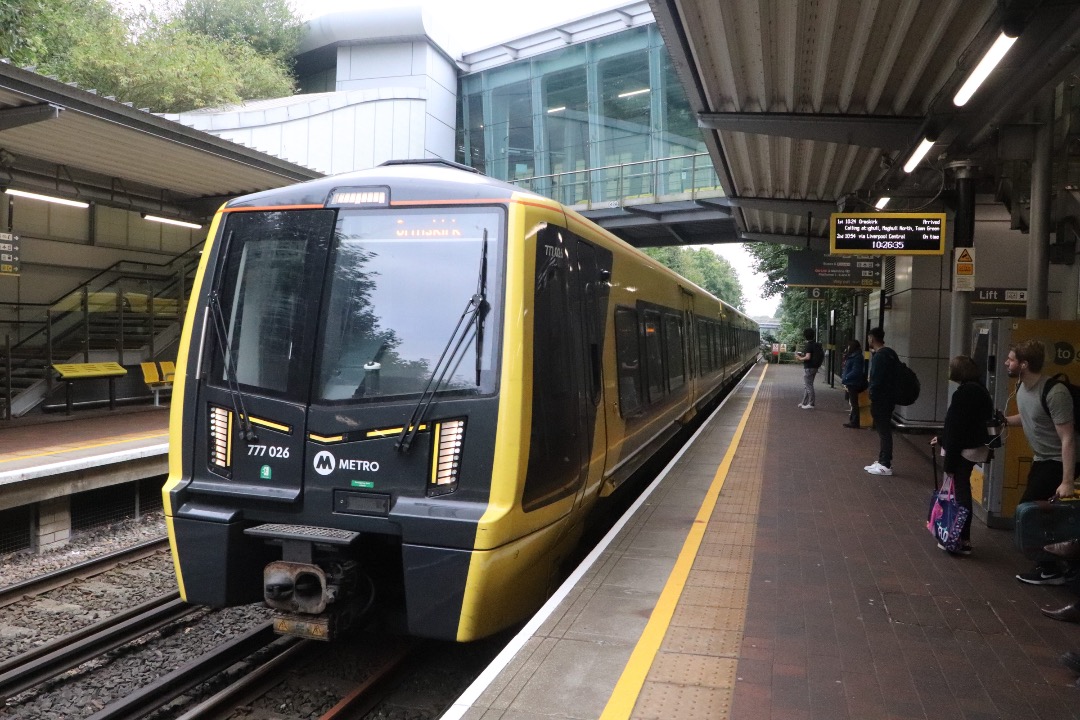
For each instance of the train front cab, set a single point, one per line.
(279, 460)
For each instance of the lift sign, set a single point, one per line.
(887, 234)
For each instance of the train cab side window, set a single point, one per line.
(676, 359)
(628, 357)
(654, 357)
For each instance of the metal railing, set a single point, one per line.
(122, 302)
(681, 177)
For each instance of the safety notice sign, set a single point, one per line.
(964, 269)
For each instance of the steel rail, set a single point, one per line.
(67, 656)
(71, 638)
(366, 695)
(162, 691)
(87, 568)
(252, 686)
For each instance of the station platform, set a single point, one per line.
(46, 459)
(767, 575)
(27, 448)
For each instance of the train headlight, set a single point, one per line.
(446, 463)
(220, 432)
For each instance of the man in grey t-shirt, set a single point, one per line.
(1052, 437)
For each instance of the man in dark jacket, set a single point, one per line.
(883, 364)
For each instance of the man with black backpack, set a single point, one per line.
(812, 356)
(884, 363)
(1046, 414)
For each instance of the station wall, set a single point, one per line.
(918, 326)
(63, 247)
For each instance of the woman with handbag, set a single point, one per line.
(853, 378)
(965, 438)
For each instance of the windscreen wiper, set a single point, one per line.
(481, 290)
(474, 311)
(247, 431)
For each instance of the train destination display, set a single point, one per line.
(887, 234)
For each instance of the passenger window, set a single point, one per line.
(673, 342)
(704, 358)
(654, 356)
(626, 350)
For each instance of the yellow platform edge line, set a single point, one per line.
(625, 695)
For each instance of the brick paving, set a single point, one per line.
(852, 610)
(50, 434)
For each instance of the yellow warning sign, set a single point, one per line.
(964, 269)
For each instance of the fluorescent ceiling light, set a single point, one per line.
(882, 202)
(918, 155)
(47, 198)
(558, 109)
(171, 221)
(632, 93)
(989, 61)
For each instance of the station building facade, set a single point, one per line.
(589, 112)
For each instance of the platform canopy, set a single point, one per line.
(811, 106)
(63, 140)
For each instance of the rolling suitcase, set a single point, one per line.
(1043, 522)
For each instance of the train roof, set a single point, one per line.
(408, 180)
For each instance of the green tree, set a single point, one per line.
(796, 311)
(147, 59)
(269, 27)
(705, 268)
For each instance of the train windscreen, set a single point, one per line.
(414, 297)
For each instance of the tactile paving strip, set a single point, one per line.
(694, 674)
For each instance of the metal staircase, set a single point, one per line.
(127, 313)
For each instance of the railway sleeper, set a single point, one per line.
(315, 591)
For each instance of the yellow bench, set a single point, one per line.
(158, 376)
(70, 372)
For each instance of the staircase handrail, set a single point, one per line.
(86, 285)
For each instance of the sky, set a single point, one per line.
(475, 24)
(466, 25)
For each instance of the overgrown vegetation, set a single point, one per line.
(198, 53)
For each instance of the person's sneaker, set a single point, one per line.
(849, 425)
(1039, 576)
(807, 407)
(878, 469)
(801, 406)
(964, 549)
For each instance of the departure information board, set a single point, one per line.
(887, 234)
(809, 268)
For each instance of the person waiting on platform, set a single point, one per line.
(811, 357)
(883, 365)
(853, 378)
(1051, 432)
(964, 439)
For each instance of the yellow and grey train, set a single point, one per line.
(413, 383)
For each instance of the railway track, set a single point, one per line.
(45, 662)
(88, 568)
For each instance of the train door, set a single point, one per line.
(592, 287)
(565, 385)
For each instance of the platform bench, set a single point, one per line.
(158, 376)
(71, 372)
